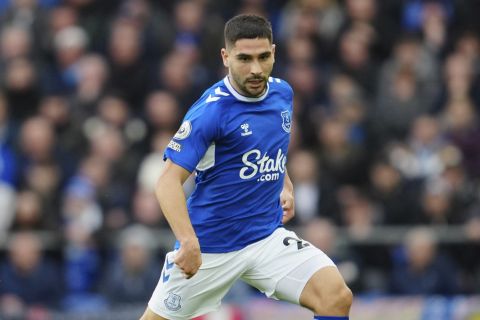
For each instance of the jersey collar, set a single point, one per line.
(241, 97)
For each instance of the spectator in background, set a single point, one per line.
(174, 76)
(154, 23)
(379, 21)
(462, 128)
(82, 268)
(57, 110)
(60, 17)
(113, 111)
(319, 21)
(397, 107)
(44, 180)
(128, 70)
(162, 111)
(468, 46)
(347, 101)
(358, 212)
(303, 170)
(152, 163)
(38, 146)
(340, 158)
(396, 198)
(309, 94)
(29, 214)
(431, 18)
(61, 76)
(93, 78)
(28, 278)
(29, 15)
(162, 116)
(314, 190)
(133, 270)
(22, 89)
(110, 145)
(421, 268)
(354, 57)
(80, 199)
(421, 157)
(197, 36)
(15, 42)
(146, 210)
(458, 82)
(409, 53)
(183, 71)
(323, 234)
(463, 189)
(301, 50)
(437, 204)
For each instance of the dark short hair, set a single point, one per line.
(247, 26)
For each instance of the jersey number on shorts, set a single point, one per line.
(300, 243)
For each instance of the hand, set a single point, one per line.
(288, 205)
(188, 258)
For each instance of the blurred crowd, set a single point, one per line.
(386, 132)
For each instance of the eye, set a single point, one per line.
(243, 58)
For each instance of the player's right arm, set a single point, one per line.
(170, 194)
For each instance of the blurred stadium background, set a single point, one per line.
(385, 151)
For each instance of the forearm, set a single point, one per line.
(287, 200)
(170, 195)
(287, 184)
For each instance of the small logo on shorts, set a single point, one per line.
(173, 302)
(300, 243)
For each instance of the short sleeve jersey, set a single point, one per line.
(238, 147)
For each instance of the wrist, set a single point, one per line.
(191, 241)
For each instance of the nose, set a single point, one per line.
(255, 67)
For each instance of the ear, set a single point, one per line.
(224, 54)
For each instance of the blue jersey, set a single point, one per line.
(238, 147)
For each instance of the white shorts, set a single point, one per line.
(279, 266)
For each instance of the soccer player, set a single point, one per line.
(236, 138)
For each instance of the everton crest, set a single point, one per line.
(172, 302)
(286, 121)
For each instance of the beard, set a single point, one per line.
(252, 87)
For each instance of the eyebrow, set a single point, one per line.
(263, 54)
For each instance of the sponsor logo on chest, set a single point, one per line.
(269, 169)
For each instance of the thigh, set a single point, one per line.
(178, 298)
(283, 265)
(323, 286)
(150, 315)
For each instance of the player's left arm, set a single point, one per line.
(287, 199)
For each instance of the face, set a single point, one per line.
(250, 62)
